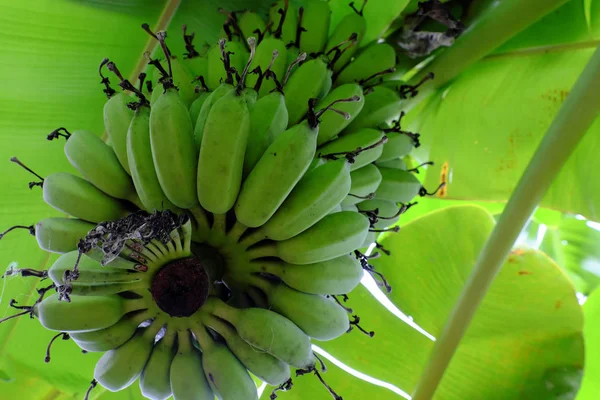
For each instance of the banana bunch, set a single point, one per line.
(209, 239)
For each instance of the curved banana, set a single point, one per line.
(188, 381)
(374, 59)
(352, 25)
(315, 195)
(332, 123)
(315, 20)
(155, 380)
(173, 150)
(398, 163)
(397, 146)
(117, 369)
(387, 211)
(307, 82)
(360, 139)
(279, 169)
(397, 185)
(112, 337)
(79, 198)
(60, 235)
(200, 121)
(251, 24)
(336, 276)
(382, 104)
(365, 181)
(196, 107)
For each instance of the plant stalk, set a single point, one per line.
(577, 113)
(500, 21)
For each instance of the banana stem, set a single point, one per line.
(237, 231)
(219, 224)
(253, 238)
(578, 112)
(494, 26)
(268, 250)
(201, 220)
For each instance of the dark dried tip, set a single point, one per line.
(284, 387)
(283, 12)
(362, 9)
(363, 82)
(355, 323)
(393, 229)
(311, 117)
(30, 228)
(26, 272)
(383, 249)
(55, 134)
(323, 366)
(410, 91)
(423, 192)
(304, 371)
(26, 168)
(65, 336)
(416, 169)
(108, 90)
(92, 386)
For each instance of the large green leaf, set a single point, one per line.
(483, 128)
(529, 324)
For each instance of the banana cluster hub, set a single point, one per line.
(233, 200)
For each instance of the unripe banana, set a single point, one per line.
(333, 236)
(381, 105)
(398, 163)
(357, 140)
(141, 163)
(97, 162)
(315, 195)
(331, 123)
(79, 198)
(112, 337)
(315, 20)
(279, 169)
(305, 83)
(182, 79)
(155, 381)
(337, 208)
(196, 107)
(397, 146)
(263, 57)
(365, 181)
(268, 368)
(83, 313)
(197, 66)
(60, 235)
(350, 207)
(216, 73)
(319, 317)
(397, 185)
(173, 150)
(117, 117)
(117, 369)
(374, 59)
(251, 24)
(188, 381)
(370, 239)
(335, 276)
(267, 331)
(283, 9)
(387, 211)
(200, 121)
(351, 24)
(226, 376)
(221, 159)
(268, 119)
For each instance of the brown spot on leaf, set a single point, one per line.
(558, 304)
(523, 272)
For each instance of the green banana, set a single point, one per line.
(141, 163)
(315, 20)
(370, 239)
(251, 24)
(79, 198)
(60, 235)
(188, 381)
(285, 161)
(374, 59)
(84, 313)
(360, 139)
(155, 380)
(196, 106)
(352, 25)
(388, 211)
(268, 119)
(283, 18)
(268, 368)
(117, 117)
(182, 79)
(397, 185)
(221, 160)
(381, 105)
(319, 317)
(118, 368)
(397, 146)
(365, 181)
(332, 123)
(112, 337)
(226, 376)
(315, 195)
(334, 235)
(307, 82)
(336, 276)
(200, 121)
(350, 207)
(267, 331)
(173, 150)
(97, 162)
(398, 163)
